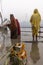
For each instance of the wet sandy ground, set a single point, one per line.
(34, 49)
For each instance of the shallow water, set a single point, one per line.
(34, 49)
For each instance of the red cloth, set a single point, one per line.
(18, 27)
(13, 23)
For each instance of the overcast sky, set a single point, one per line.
(22, 9)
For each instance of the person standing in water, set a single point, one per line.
(35, 22)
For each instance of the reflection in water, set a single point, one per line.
(13, 41)
(34, 54)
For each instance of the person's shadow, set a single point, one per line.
(34, 54)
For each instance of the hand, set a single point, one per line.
(0, 15)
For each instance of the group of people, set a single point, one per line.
(14, 26)
(35, 23)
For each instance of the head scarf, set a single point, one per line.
(35, 10)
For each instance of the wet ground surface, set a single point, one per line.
(34, 49)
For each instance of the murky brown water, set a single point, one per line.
(35, 53)
(34, 50)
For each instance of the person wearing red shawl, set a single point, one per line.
(13, 27)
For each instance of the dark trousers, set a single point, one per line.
(14, 34)
(33, 37)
